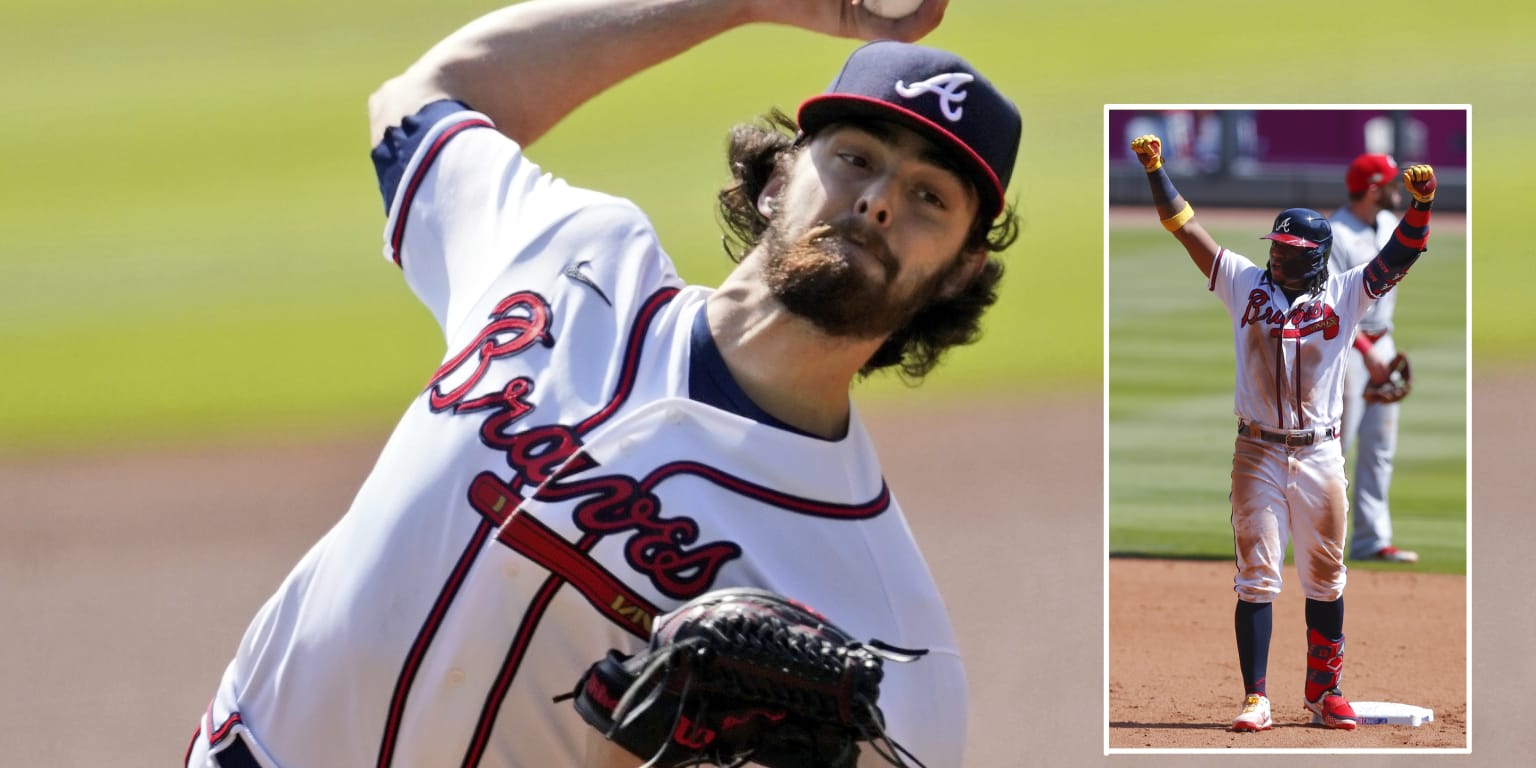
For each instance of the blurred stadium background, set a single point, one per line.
(1282, 158)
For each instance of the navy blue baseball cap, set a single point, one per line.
(935, 93)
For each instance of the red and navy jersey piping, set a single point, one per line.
(393, 156)
(476, 544)
(1210, 282)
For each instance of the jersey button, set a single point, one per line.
(510, 570)
(455, 677)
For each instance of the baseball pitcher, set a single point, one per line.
(1292, 323)
(601, 442)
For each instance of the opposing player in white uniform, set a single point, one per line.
(1360, 230)
(1292, 322)
(602, 442)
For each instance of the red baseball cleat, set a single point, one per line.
(1333, 710)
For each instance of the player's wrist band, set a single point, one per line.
(1157, 162)
(1172, 223)
(1163, 193)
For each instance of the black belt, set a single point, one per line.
(236, 755)
(1288, 437)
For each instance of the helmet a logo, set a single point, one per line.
(949, 87)
(1284, 225)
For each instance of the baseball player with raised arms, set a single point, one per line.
(1292, 322)
(1360, 229)
(602, 442)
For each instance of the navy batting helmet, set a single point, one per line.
(1308, 229)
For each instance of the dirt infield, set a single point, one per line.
(127, 580)
(1173, 677)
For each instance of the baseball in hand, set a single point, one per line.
(892, 9)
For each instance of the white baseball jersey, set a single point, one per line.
(1356, 243)
(557, 484)
(1290, 355)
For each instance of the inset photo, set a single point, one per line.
(1287, 367)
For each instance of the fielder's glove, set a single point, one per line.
(1397, 386)
(741, 675)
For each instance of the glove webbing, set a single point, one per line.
(817, 680)
(744, 675)
(628, 716)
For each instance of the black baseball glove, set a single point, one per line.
(1397, 386)
(740, 675)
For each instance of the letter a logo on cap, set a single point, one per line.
(946, 86)
(1284, 226)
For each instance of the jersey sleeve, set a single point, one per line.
(1352, 293)
(464, 205)
(1230, 272)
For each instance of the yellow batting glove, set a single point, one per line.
(1420, 181)
(1149, 150)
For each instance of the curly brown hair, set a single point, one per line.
(758, 149)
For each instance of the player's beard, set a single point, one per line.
(1290, 274)
(1390, 200)
(811, 277)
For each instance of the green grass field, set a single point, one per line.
(189, 226)
(193, 249)
(1170, 401)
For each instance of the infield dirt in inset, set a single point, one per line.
(1173, 675)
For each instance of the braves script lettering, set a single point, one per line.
(549, 459)
(1295, 323)
(517, 322)
(658, 546)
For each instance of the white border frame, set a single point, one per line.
(1467, 489)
